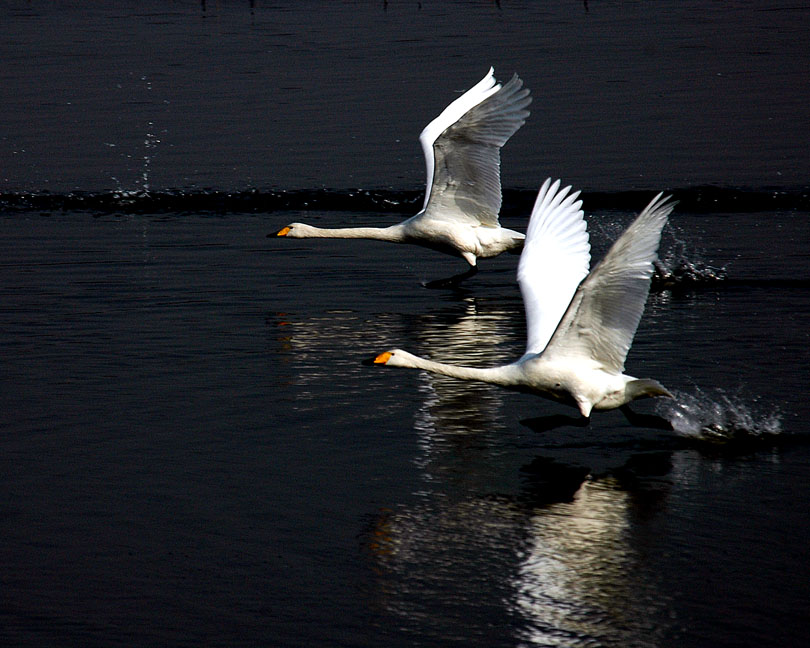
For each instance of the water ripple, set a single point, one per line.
(516, 202)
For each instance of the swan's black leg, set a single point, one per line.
(452, 282)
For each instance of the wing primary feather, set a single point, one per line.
(464, 158)
(449, 116)
(555, 259)
(605, 312)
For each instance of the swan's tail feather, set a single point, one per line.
(645, 388)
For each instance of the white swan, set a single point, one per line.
(580, 325)
(463, 196)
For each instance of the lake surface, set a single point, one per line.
(192, 452)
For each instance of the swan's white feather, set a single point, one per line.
(462, 151)
(463, 198)
(449, 116)
(555, 259)
(603, 316)
(582, 362)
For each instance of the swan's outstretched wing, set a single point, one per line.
(555, 258)
(462, 151)
(603, 316)
(449, 116)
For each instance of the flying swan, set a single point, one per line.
(580, 325)
(463, 197)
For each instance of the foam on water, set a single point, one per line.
(719, 417)
(681, 267)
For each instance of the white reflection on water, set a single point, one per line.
(326, 351)
(554, 557)
(480, 335)
(578, 582)
(563, 574)
(547, 550)
(318, 357)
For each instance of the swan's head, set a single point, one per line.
(392, 358)
(293, 230)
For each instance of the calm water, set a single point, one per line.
(192, 452)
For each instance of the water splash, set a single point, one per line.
(123, 195)
(720, 418)
(679, 269)
(150, 142)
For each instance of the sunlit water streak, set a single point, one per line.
(579, 582)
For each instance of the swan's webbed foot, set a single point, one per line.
(454, 281)
(652, 421)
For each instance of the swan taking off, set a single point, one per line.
(580, 326)
(463, 197)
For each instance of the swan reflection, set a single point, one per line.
(453, 418)
(496, 537)
(479, 334)
(324, 348)
(579, 580)
(310, 356)
(563, 573)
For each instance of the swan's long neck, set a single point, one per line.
(506, 376)
(393, 233)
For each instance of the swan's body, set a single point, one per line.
(463, 196)
(580, 325)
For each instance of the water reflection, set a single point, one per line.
(546, 549)
(496, 537)
(558, 560)
(317, 359)
(471, 331)
(513, 537)
(579, 581)
(455, 416)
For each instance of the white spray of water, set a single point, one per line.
(681, 266)
(719, 417)
(150, 144)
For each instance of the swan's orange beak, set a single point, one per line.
(380, 359)
(283, 231)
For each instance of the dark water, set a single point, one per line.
(192, 452)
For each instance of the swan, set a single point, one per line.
(463, 197)
(580, 325)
